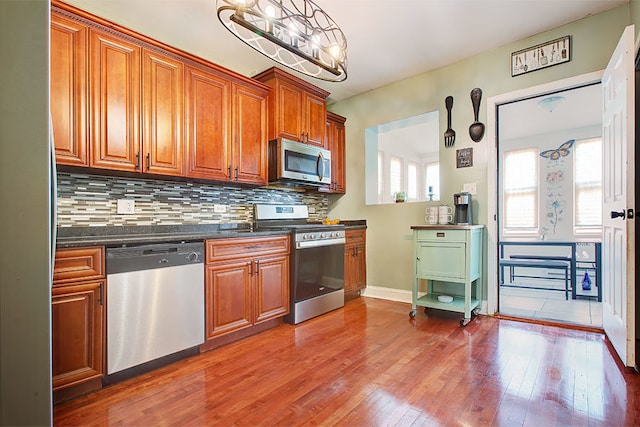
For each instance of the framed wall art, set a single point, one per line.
(464, 158)
(544, 55)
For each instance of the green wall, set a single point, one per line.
(25, 292)
(389, 248)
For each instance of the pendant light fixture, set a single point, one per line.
(295, 33)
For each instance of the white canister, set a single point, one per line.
(445, 214)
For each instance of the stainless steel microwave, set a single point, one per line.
(297, 163)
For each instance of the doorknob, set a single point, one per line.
(621, 214)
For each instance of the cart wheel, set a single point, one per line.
(464, 322)
(475, 312)
(412, 314)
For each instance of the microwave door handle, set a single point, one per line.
(320, 166)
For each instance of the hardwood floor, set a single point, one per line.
(368, 364)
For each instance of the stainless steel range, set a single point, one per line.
(317, 260)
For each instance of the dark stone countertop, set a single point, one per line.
(114, 236)
(142, 234)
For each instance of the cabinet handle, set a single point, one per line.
(229, 174)
(148, 161)
(138, 161)
(258, 268)
(250, 268)
(307, 137)
(100, 297)
(236, 173)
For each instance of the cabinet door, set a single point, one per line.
(69, 90)
(336, 144)
(228, 298)
(441, 260)
(163, 97)
(272, 287)
(208, 126)
(115, 103)
(350, 269)
(289, 113)
(360, 267)
(315, 118)
(249, 135)
(76, 333)
(338, 156)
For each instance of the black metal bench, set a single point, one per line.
(534, 261)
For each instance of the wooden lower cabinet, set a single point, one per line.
(76, 339)
(355, 262)
(77, 321)
(247, 283)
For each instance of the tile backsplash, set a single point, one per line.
(91, 200)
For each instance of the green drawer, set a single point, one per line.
(442, 235)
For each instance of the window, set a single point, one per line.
(520, 210)
(432, 181)
(412, 181)
(588, 184)
(395, 175)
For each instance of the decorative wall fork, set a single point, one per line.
(449, 134)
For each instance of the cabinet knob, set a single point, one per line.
(418, 258)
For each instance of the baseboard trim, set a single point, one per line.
(400, 295)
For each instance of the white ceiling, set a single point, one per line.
(580, 107)
(388, 40)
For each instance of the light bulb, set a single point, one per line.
(294, 35)
(315, 50)
(336, 55)
(271, 13)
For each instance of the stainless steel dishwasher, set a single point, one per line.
(155, 302)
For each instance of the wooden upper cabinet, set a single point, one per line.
(249, 134)
(336, 143)
(288, 121)
(208, 109)
(69, 90)
(163, 98)
(115, 102)
(297, 109)
(124, 102)
(315, 109)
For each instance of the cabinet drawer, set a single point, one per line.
(78, 263)
(355, 236)
(442, 235)
(227, 249)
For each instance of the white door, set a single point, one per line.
(618, 244)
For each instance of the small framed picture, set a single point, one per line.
(464, 158)
(544, 55)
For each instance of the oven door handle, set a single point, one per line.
(318, 243)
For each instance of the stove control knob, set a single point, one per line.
(323, 235)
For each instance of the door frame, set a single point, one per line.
(492, 166)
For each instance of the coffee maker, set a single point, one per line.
(462, 211)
